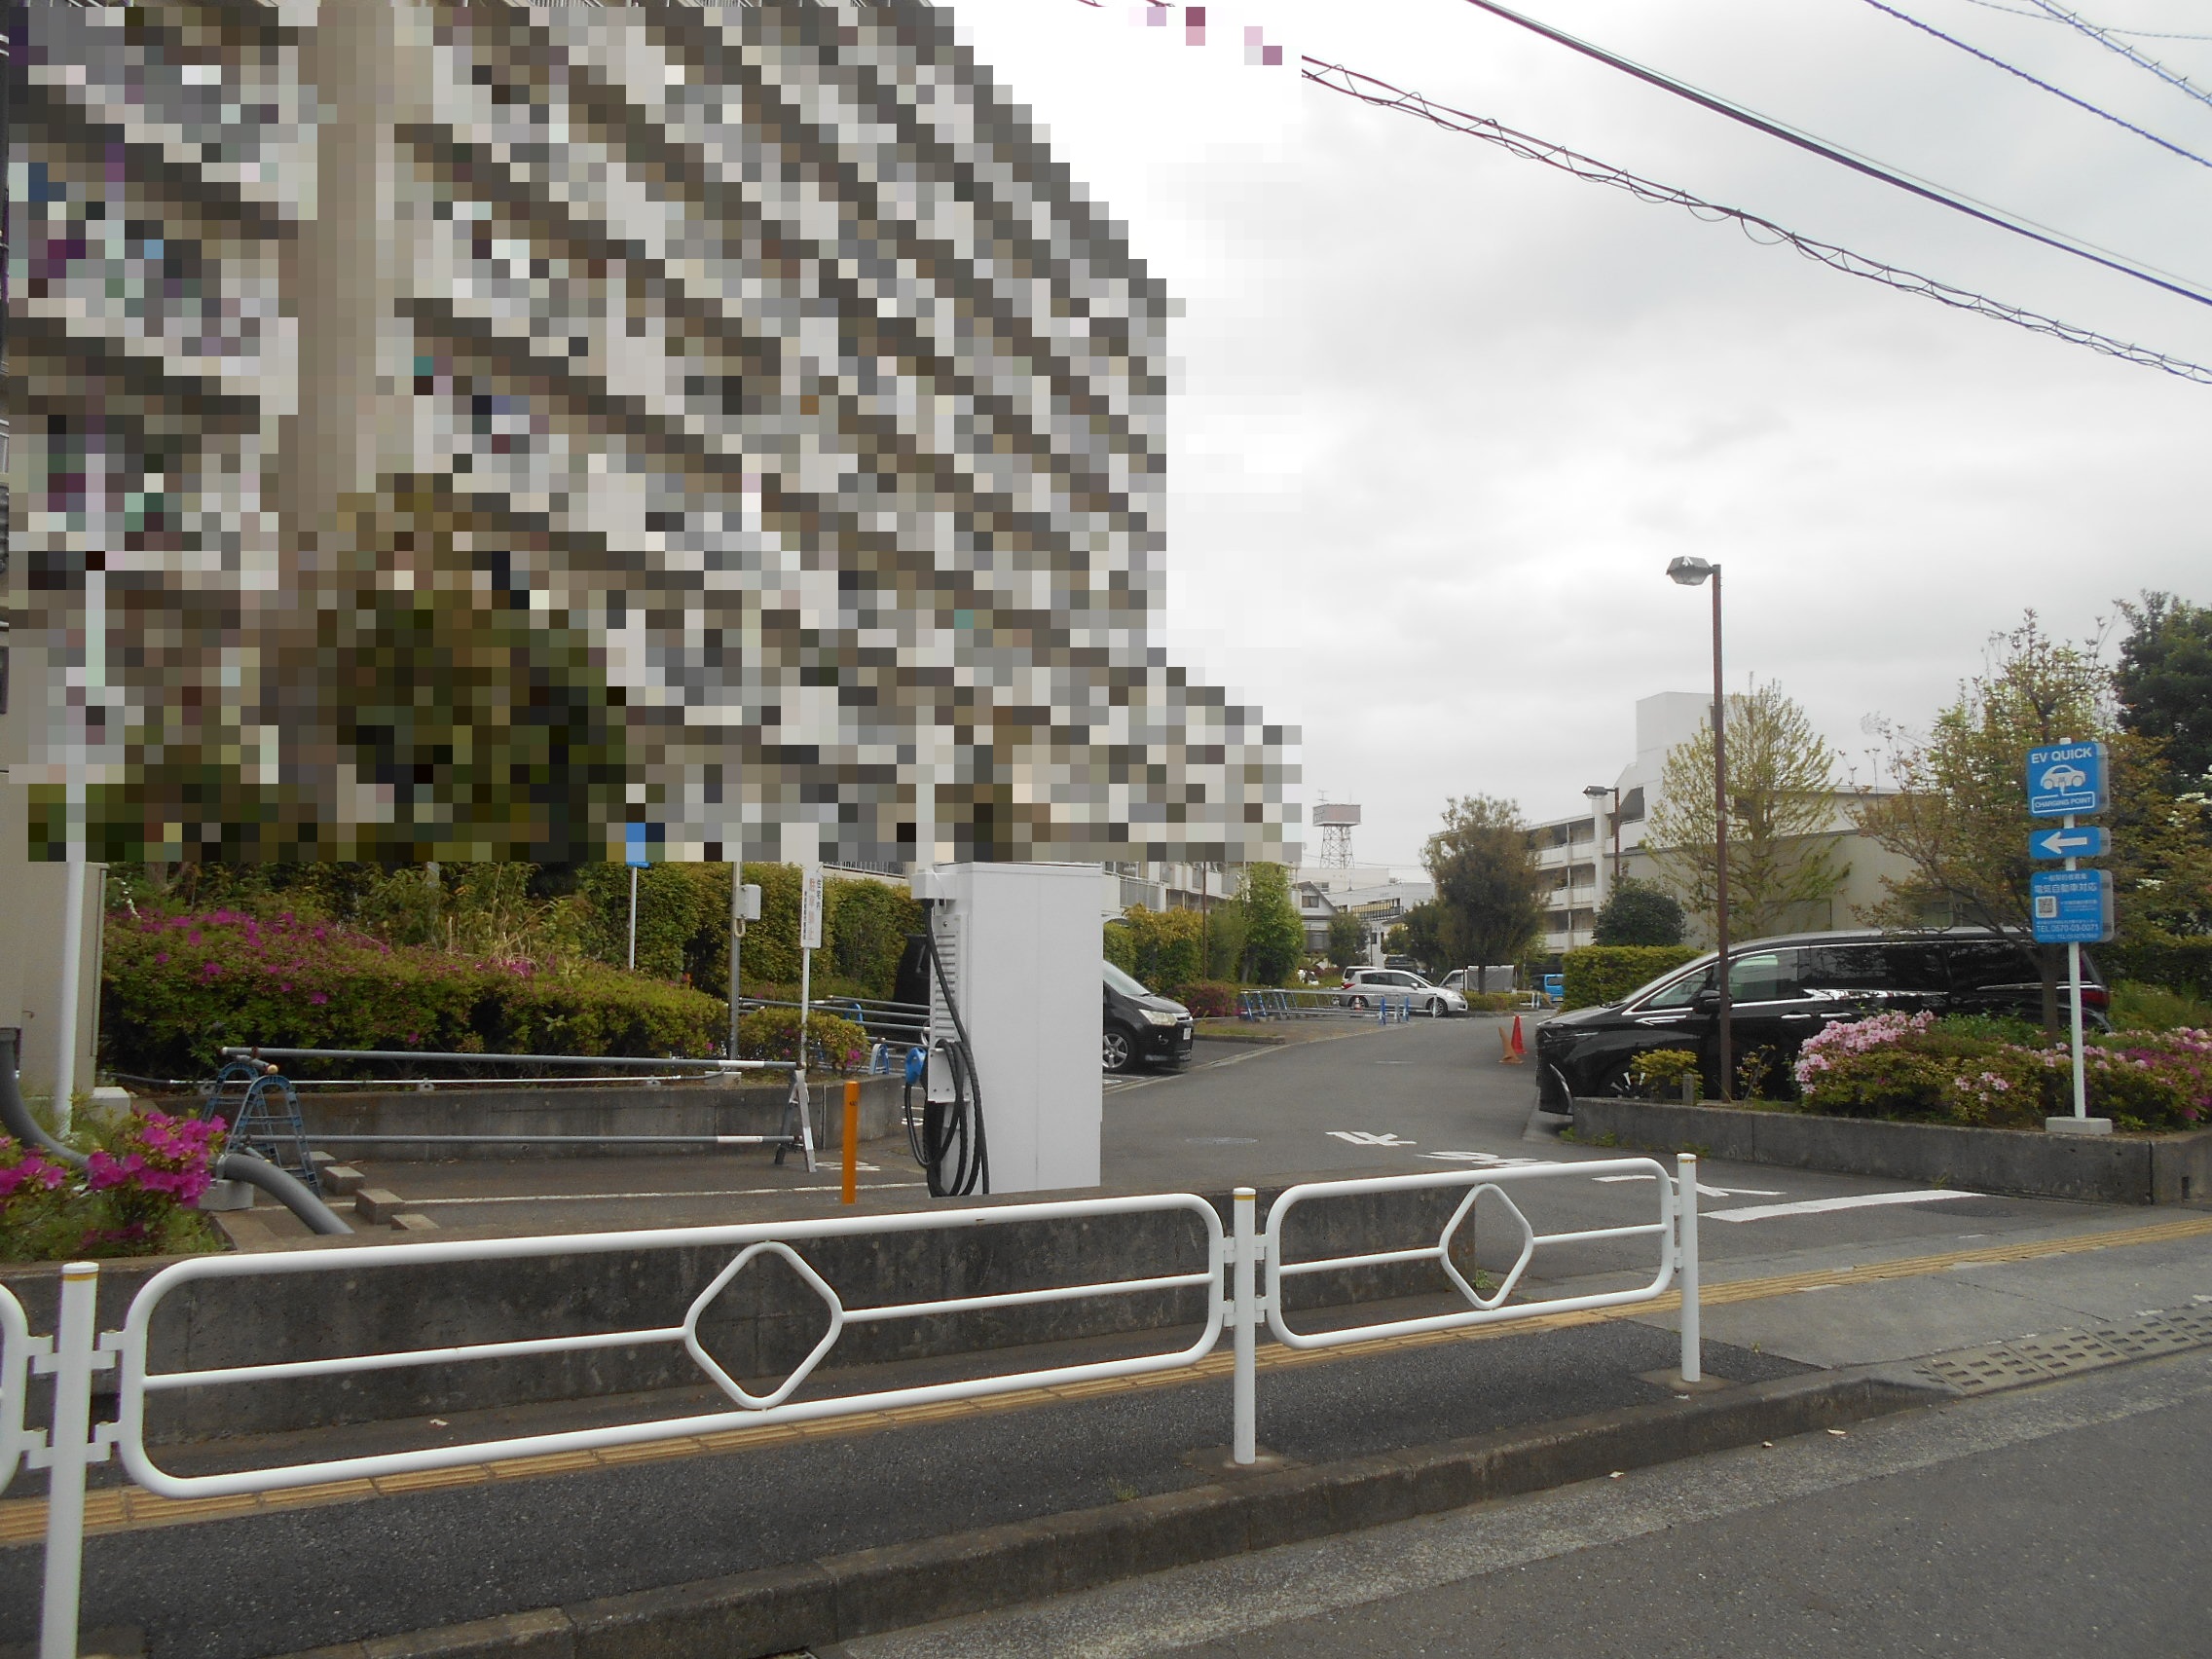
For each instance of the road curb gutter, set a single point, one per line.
(868, 1592)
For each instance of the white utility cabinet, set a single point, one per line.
(1021, 945)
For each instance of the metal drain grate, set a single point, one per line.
(2062, 1353)
(1977, 1371)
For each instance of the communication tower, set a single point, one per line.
(1336, 821)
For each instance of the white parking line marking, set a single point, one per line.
(1369, 1138)
(1485, 1159)
(1821, 1206)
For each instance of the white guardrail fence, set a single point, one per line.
(77, 1348)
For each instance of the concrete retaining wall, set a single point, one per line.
(761, 1325)
(625, 1109)
(2114, 1169)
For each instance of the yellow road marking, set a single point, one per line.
(23, 1519)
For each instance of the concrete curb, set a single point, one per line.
(809, 1604)
(2116, 1169)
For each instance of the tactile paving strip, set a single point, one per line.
(2062, 1353)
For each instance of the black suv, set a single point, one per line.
(1141, 1027)
(1781, 991)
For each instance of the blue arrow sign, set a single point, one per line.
(2065, 779)
(2072, 907)
(2086, 842)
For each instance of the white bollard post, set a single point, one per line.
(70, 1445)
(1686, 1232)
(1244, 1205)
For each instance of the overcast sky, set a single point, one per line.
(1444, 415)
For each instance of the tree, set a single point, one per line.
(1781, 806)
(1488, 890)
(2164, 681)
(1960, 816)
(1348, 939)
(1274, 938)
(1424, 929)
(1635, 912)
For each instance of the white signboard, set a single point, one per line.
(810, 908)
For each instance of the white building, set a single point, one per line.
(1586, 853)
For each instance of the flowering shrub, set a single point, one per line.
(1915, 1066)
(133, 1196)
(180, 987)
(1209, 998)
(1825, 1047)
(772, 1034)
(33, 1197)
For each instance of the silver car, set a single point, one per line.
(1394, 983)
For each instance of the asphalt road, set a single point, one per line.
(2069, 1518)
(1431, 1094)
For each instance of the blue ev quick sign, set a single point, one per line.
(2066, 778)
(2072, 907)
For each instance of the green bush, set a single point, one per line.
(1120, 945)
(1658, 1071)
(1492, 1002)
(1163, 947)
(2178, 963)
(2154, 1008)
(772, 1034)
(1606, 973)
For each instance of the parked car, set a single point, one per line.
(1434, 1000)
(1141, 1028)
(1781, 991)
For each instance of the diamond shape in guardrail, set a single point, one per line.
(1468, 1212)
(723, 1380)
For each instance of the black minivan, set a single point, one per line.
(1782, 990)
(1142, 1028)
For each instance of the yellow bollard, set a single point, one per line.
(852, 1194)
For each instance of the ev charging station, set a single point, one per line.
(1017, 954)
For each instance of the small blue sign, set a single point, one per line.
(2065, 779)
(2072, 907)
(636, 852)
(2086, 841)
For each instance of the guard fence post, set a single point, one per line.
(1685, 1235)
(67, 1452)
(1244, 1247)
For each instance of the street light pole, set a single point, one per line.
(1690, 572)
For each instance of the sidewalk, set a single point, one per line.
(759, 1541)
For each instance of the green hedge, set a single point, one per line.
(178, 988)
(1606, 973)
(2177, 964)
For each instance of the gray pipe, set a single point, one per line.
(286, 1187)
(17, 1117)
(245, 1166)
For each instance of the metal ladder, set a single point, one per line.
(262, 1110)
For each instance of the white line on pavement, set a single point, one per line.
(1820, 1207)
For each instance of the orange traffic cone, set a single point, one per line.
(1518, 1050)
(1509, 1044)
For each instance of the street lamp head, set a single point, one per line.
(1690, 572)
(1598, 791)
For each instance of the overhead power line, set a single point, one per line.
(2106, 38)
(1383, 96)
(2039, 18)
(1859, 163)
(2033, 81)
